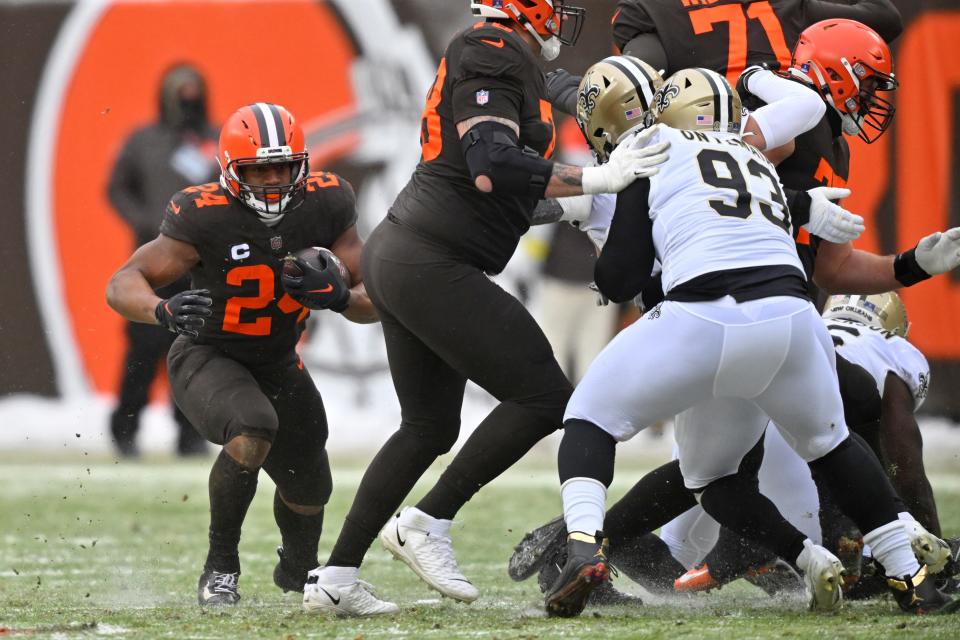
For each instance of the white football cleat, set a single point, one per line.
(928, 548)
(354, 599)
(423, 543)
(822, 575)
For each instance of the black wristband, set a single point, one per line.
(907, 270)
(162, 316)
(799, 201)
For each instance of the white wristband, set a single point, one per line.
(595, 181)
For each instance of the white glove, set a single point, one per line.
(629, 161)
(576, 209)
(939, 252)
(829, 220)
(928, 548)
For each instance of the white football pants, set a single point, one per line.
(784, 479)
(724, 368)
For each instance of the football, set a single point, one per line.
(313, 255)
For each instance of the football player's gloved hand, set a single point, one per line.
(562, 89)
(829, 220)
(185, 313)
(939, 252)
(631, 159)
(322, 285)
(576, 209)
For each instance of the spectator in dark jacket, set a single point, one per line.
(156, 161)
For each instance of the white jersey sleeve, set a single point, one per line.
(881, 353)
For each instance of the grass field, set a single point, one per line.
(94, 548)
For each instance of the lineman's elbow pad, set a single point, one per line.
(492, 149)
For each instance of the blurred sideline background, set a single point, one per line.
(80, 77)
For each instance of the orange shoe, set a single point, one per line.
(695, 581)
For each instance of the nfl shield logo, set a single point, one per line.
(483, 97)
(276, 242)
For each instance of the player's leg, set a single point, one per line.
(804, 401)
(146, 345)
(431, 395)
(224, 400)
(490, 337)
(649, 372)
(298, 465)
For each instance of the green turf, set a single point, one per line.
(93, 548)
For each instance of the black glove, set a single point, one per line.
(184, 313)
(562, 87)
(321, 285)
(750, 101)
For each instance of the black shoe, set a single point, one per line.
(775, 578)
(606, 595)
(585, 569)
(872, 583)
(289, 577)
(217, 589)
(948, 580)
(917, 594)
(536, 548)
(124, 439)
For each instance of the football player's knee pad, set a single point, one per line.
(437, 441)
(252, 420)
(311, 487)
(819, 446)
(586, 451)
(858, 390)
(493, 150)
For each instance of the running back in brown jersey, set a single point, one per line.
(253, 319)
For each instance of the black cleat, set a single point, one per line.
(288, 577)
(217, 589)
(917, 594)
(604, 595)
(872, 583)
(775, 578)
(948, 580)
(586, 569)
(536, 549)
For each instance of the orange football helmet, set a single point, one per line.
(848, 63)
(264, 133)
(551, 22)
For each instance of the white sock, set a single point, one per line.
(340, 576)
(422, 521)
(891, 547)
(805, 554)
(584, 504)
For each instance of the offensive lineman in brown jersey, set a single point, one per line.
(487, 134)
(233, 368)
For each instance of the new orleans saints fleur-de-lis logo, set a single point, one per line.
(666, 93)
(587, 101)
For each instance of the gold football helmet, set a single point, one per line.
(881, 311)
(614, 97)
(698, 100)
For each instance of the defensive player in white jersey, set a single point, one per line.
(735, 341)
(870, 332)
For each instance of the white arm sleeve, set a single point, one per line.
(791, 108)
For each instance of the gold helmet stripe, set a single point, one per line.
(642, 81)
(722, 98)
